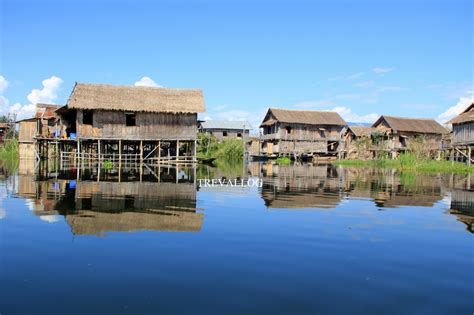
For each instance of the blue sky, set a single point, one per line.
(360, 58)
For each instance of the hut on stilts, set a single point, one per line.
(462, 142)
(125, 124)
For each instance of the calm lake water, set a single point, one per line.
(314, 239)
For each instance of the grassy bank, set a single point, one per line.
(9, 150)
(408, 162)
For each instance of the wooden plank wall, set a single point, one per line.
(112, 125)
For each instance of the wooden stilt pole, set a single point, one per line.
(195, 151)
(177, 150)
(469, 152)
(120, 160)
(159, 152)
(141, 159)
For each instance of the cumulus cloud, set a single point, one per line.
(146, 81)
(47, 94)
(379, 70)
(455, 110)
(349, 116)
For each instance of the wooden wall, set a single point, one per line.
(463, 133)
(231, 134)
(149, 126)
(28, 130)
(305, 131)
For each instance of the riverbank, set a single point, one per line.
(411, 164)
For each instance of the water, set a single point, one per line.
(312, 240)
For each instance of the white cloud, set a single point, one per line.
(48, 93)
(147, 81)
(349, 116)
(455, 110)
(379, 70)
(3, 84)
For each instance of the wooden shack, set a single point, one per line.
(226, 129)
(44, 124)
(462, 141)
(26, 138)
(397, 133)
(358, 142)
(300, 133)
(152, 123)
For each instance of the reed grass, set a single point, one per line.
(408, 162)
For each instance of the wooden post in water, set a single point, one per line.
(159, 151)
(141, 159)
(177, 150)
(195, 151)
(120, 160)
(469, 152)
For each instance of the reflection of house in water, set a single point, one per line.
(462, 206)
(305, 186)
(389, 189)
(96, 207)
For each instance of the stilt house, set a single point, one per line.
(301, 132)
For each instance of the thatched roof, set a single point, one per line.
(361, 131)
(226, 124)
(309, 117)
(136, 98)
(464, 117)
(419, 125)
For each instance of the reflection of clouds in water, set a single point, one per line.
(447, 200)
(3, 213)
(30, 204)
(50, 218)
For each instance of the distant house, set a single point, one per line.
(301, 132)
(463, 132)
(354, 146)
(44, 124)
(226, 129)
(397, 133)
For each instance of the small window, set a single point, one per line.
(288, 130)
(224, 133)
(239, 135)
(131, 119)
(87, 117)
